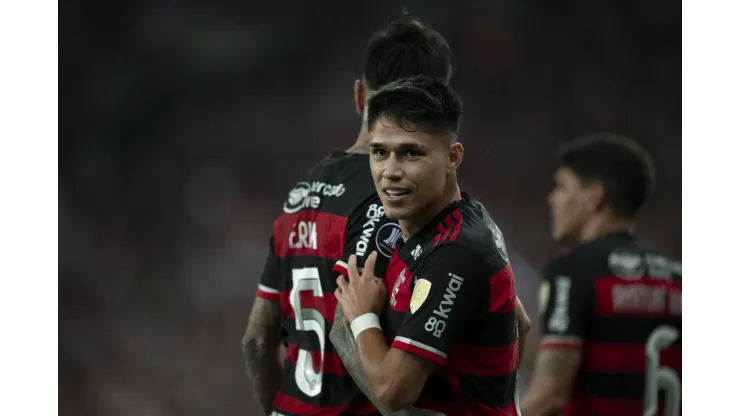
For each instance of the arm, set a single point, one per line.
(554, 373)
(524, 325)
(395, 377)
(260, 346)
(261, 342)
(564, 322)
(397, 373)
(344, 345)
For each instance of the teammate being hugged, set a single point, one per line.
(611, 306)
(449, 340)
(295, 302)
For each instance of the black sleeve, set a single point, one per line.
(269, 286)
(361, 235)
(445, 296)
(566, 300)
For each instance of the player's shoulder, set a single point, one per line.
(618, 254)
(336, 183)
(469, 234)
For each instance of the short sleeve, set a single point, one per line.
(362, 233)
(566, 302)
(269, 286)
(446, 292)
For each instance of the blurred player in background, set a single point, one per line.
(448, 341)
(295, 298)
(611, 314)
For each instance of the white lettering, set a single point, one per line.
(639, 298)
(304, 237)
(560, 318)
(302, 195)
(437, 326)
(374, 213)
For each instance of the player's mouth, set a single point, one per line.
(395, 193)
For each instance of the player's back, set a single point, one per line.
(308, 238)
(452, 301)
(629, 302)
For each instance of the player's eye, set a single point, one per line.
(379, 152)
(414, 153)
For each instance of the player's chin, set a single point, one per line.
(397, 211)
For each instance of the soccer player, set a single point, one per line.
(448, 340)
(612, 305)
(295, 298)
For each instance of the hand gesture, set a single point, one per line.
(361, 293)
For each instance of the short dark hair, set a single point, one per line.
(406, 48)
(623, 167)
(418, 102)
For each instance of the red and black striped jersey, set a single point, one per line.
(452, 301)
(618, 300)
(308, 238)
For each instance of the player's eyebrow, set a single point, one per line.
(398, 147)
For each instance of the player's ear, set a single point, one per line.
(596, 196)
(455, 156)
(359, 97)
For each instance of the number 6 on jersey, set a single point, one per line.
(661, 378)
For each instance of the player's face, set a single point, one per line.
(568, 206)
(409, 169)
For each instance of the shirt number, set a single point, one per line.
(307, 378)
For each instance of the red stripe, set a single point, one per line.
(643, 297)
(326, 305)
(436, 239)
(339, 269)
(428, 355)
(502, 290)
(332, 364)
(458, 225)
(292, 405)
(606, 406)
(309, 233)
(630, 358)
(268, 296)
(450, 225)
(484, 361)
(561, 345)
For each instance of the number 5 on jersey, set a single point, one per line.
(307, 379)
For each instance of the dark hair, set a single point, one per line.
(403, 49)
(417, 103)
(623, 167)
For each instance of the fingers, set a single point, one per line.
(352, 266)
(342, 283)
(369, 271)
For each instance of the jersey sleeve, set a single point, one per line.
(446, 292)
(362, 226)
(269, 286)
(566, 302)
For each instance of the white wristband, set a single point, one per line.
(363, 322)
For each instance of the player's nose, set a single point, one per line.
(392, 169)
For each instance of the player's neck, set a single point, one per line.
(601, 225)
(362, 144)
(410, 226)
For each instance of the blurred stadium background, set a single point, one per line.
(184, 124)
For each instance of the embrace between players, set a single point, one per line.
(391, 290)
